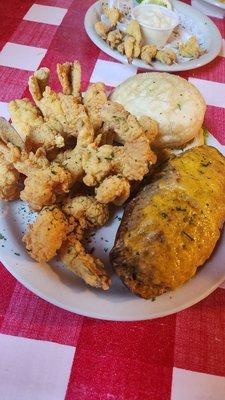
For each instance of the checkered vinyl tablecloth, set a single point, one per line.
(50, 354)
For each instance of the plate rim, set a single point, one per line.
(103, 316)
(192, 64)
(215, 3)
(112, 315)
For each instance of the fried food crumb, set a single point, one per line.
(190, 48)
(166, 56)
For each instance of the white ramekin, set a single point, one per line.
(157, 36)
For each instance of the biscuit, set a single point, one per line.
(172, 101)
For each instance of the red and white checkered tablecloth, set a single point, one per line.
(50, 354)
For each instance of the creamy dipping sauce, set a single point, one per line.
(154, 18)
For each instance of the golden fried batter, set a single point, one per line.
(166, 56)
(121, 48)
(93, 100)
(101, 29)
(25, 116)
(32, 128)
(132, 41)
(87, 207)
(9, 180)
(44, 180)
(38, 83)
(114, 38)
(133, 29)
(133, 159)
(150, 127)
(190, 48)
(46, 235)
(9, 135)
(86, 266)
(62, 112)
(131, 48)
(69, 75)
(97, 163)
(114, 189)
(125, 125)
(148, 52)
(71, 160)
(113, 14)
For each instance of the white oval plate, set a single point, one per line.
(215, 3)
(55, 284)
(211, 34)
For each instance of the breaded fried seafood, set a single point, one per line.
(72, 158)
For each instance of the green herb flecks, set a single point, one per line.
(188, 236)
(205, 163)
(163, 215)
(180, 209)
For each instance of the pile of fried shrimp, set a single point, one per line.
(71, 157)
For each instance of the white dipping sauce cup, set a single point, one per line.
(157, 36)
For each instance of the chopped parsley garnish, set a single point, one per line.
(179, 106)
(17, 254)
(205, 163)
(188, 236)
(163, 215)
(2, 237)
(180, 209)
(110, 157)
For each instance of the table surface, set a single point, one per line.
(51, 354)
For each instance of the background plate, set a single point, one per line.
(211, 33)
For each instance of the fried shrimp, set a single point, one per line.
(148, 52)
(72, 156)
(44, 180)
(94, 98)
(87, 207)
(113, 14)
(102, 29)
(97, 163)
(46, 235)
(82, 264)
(114, 189)
(125, 125)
